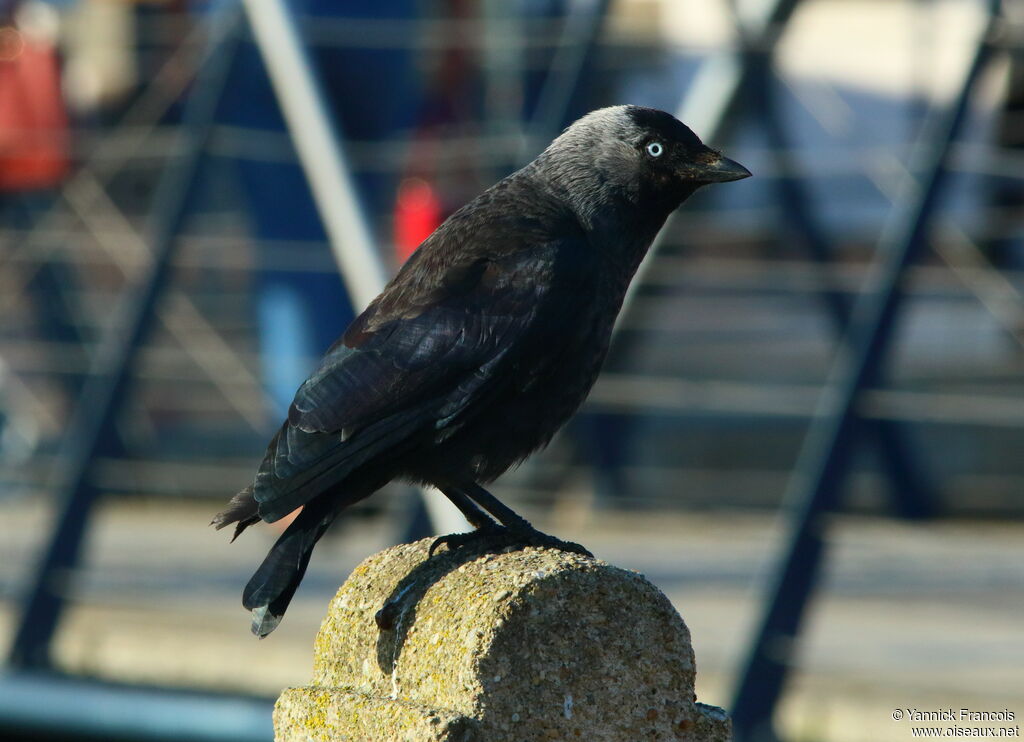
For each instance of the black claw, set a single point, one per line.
(453, 541)
(533, 537)
(457, 540)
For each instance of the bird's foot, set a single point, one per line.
(527, 535)
(499, 537)
(457, 540)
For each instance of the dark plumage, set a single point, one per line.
(482, 346)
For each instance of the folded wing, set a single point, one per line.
(416, 360)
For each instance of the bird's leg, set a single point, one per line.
(480, 520)
(514, 530)
(477, 517)
(505, 515)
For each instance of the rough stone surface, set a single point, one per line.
(533, 644)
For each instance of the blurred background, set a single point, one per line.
(808, 433)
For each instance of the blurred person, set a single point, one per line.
(34, 147)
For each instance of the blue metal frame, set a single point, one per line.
(825, 458)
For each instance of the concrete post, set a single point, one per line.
(525, 645)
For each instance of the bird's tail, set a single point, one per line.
(242, 510)
(271, 589)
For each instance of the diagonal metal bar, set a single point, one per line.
(717, 90)
(964, 257)
(910, 492)
(103, 162)
(581, 29)
(1003, 299)
(714, 94)
(314, 135)
(179, 315)
(316, 141)
(92, 427)
(825, 457)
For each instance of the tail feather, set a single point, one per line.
(242, 509)
(272, 586)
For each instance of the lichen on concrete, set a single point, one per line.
(530, 644)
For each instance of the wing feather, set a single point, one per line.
(405, 366)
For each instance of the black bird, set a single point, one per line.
(482, 346)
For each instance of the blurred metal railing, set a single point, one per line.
(825, 457)
(205, 351)
(91, 432)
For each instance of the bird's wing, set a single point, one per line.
(419, 356)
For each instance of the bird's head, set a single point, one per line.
(639, 157)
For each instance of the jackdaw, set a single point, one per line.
(483, 345)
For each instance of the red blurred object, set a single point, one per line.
(417, 214)
(33, 119)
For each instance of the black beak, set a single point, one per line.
(721, 170)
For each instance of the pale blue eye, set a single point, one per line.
(655, 149)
